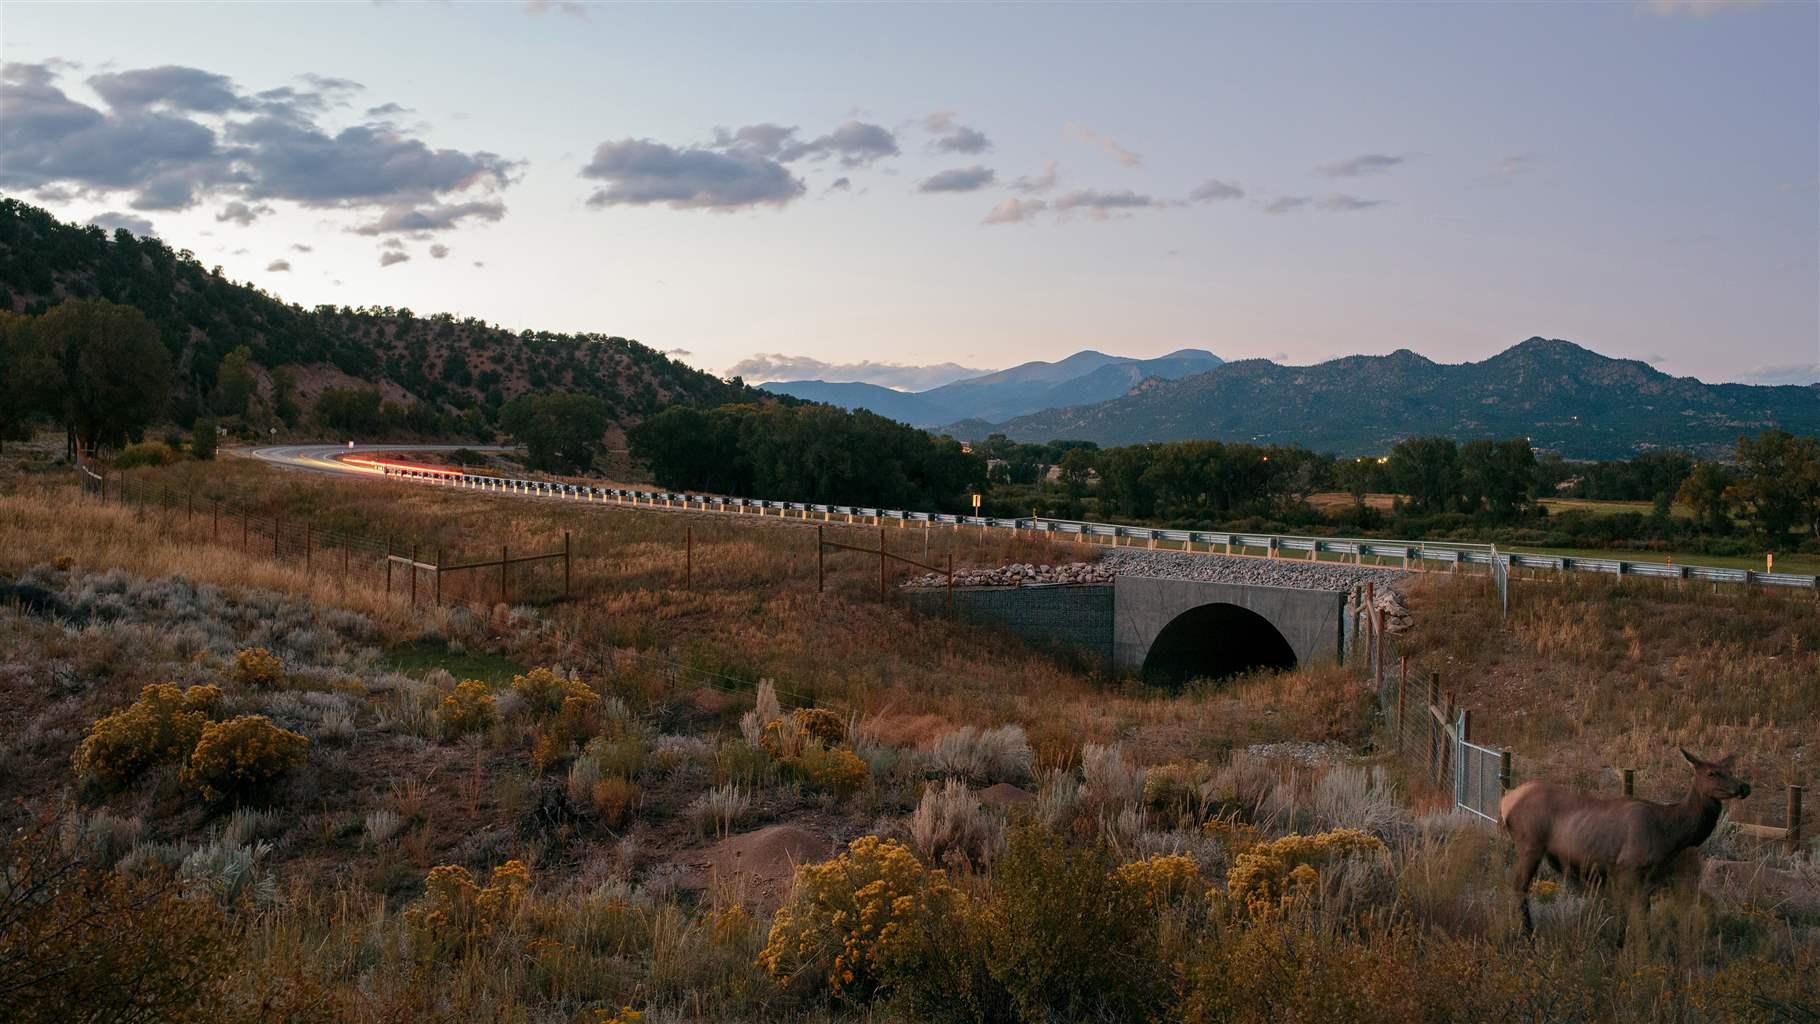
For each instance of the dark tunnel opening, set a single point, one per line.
(1215, 641)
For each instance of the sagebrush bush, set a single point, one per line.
(161, 727)
(241, 756)
(950, 823)
(984, 756)
(1267, 878)
(257, 668)
(1180, 787)
(469, 708)
(861, 924)
(765, 710)
(1108, 782)
(719, 809)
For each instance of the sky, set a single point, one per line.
(910, 193)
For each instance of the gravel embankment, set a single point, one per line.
(1277, 572)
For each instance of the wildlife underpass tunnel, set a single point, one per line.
(1215, 641)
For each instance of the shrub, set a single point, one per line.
(1161, 881)
(544, 691)
(618, 755)
(863, 923)
(1068, 940)
(257, 668)
(468, 709)
(204, 441)
(146, 453)
(839, 771)
(1182, 787)
(242, 756)
(614, 800)
(456, 911)
(161, 727)
(984, 756)
(765, 710)
(1107, 782)
(949, 822)
(719, 809)
(821, 724)
(782, 738)
(1270, 876)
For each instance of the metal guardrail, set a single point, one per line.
(1417, 555)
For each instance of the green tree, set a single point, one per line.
(284, 396)
(234, 382)
(349, 411)
(18, 403)
(1427, 469)
(109, 375)
(203, 439)
(1779, 483)
(561, 432)
(1706, 492)
(1496, 475)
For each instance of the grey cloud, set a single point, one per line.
(777, 366)
(1214, 190)
(1015, 211)
(112, 221)
(1339, 202)
(393, 243)
(1366, 163)
(439, 251)
(240, 252)
(766, 140)
(854, 142)
(278, 266)
(430, 217)
(1699, 8)
(241, 214)
(959, 179)
(1081, 133)
(300, 247)
(1511, 166)
(479, 263)
(639, 172)
(387, 110)
(391, 257)
(1039, 183)
(178, 88)
(840, 185)
(953, 137)
(677, 353)
(147, 142)
(1286, 204)
(1100, 205)
(1788, 373)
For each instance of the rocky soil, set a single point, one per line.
(1277, 572)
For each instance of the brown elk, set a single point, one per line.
(1629, 843)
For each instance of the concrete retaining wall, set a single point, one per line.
(1060, 616)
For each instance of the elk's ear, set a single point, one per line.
(1726, 761)
(1691, 759)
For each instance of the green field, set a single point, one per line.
(1556, 506)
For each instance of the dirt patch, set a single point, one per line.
(1005, 794)
(760, 862)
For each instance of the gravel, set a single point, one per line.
(1268, 572)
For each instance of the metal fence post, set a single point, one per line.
(688, 557)
(413, 575)
(821, 574)
(503, 559)
(306, 548)
(1630, 782)
(881, 559)
(388, 567)
(438, 577)
(1402, 682)
(277, 528)
(1504, 771)
(565, 563)
(217, 537)
(951, 584)
(1434, 728)
(1794, 818)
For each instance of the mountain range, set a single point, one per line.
(1082, 378)
(1563, 397)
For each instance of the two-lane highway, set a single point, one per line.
(330, 458)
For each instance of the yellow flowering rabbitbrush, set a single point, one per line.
(468, 709)
(456, 910)
(861, 923)
(241, 756)
(1161, 880)
(1270, 876)
(257, 668)
(161, 727)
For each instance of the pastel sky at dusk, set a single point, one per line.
(968, 184)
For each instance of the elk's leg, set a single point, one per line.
(1528, 860)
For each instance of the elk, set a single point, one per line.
(1631, 843)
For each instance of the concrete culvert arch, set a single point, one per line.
(1215, 641)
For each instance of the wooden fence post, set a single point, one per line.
(1434, 729)
(1504, 771)
(881, 559)
(565, 564)
(1794, 818)
(951, 584)
(413, 575)
(306, 548)
(388, 567)
(689, 557)
(1402, 682)
(503, 561)
(821, 577)
(1630, 782)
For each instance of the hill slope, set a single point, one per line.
(1560, 395)
(456, 370)
(1083, 377)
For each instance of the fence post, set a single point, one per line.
(503, 561)
(306, 548)
(438, 577)
(413, 575)
(881, 559)
(217, 537)
(821, 578)
(191, 516)
(1794, 818)
(688, 557)
(1402, 682)
(277, 528)
(344, 562)
(1504, 771)
(1434, 729)
(388, 568)
(951, 584)
(246, 528)
(565, 564)
(1630, 782)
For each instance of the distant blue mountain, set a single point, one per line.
(1081, 379)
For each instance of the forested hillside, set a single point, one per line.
(441, 375)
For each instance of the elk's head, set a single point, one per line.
(1714, 779)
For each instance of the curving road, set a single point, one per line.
(327, 458)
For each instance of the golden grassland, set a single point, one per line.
(532, 848)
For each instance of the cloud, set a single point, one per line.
(1511, 166)
(1699, 8)
(241, 214)
(390, 257)
(766, 140)
(278, 266)
(854, 142)
(841, 184)
(1100, 205)
(1286, 204)
(639, 172)
(300, 247)
(1339, 202)
(1081, 133)
(1032, 185)
(538, 8)
(1788, 373)
(113, 221)
(171, 137)
(1015, 211)
(439, 251)
(904, 377)
(953, 137)
(387, 110)
(1213, 190)
(960, 179)
(393, 243)
(1353, 167)
(430, 217)
(479, 263)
